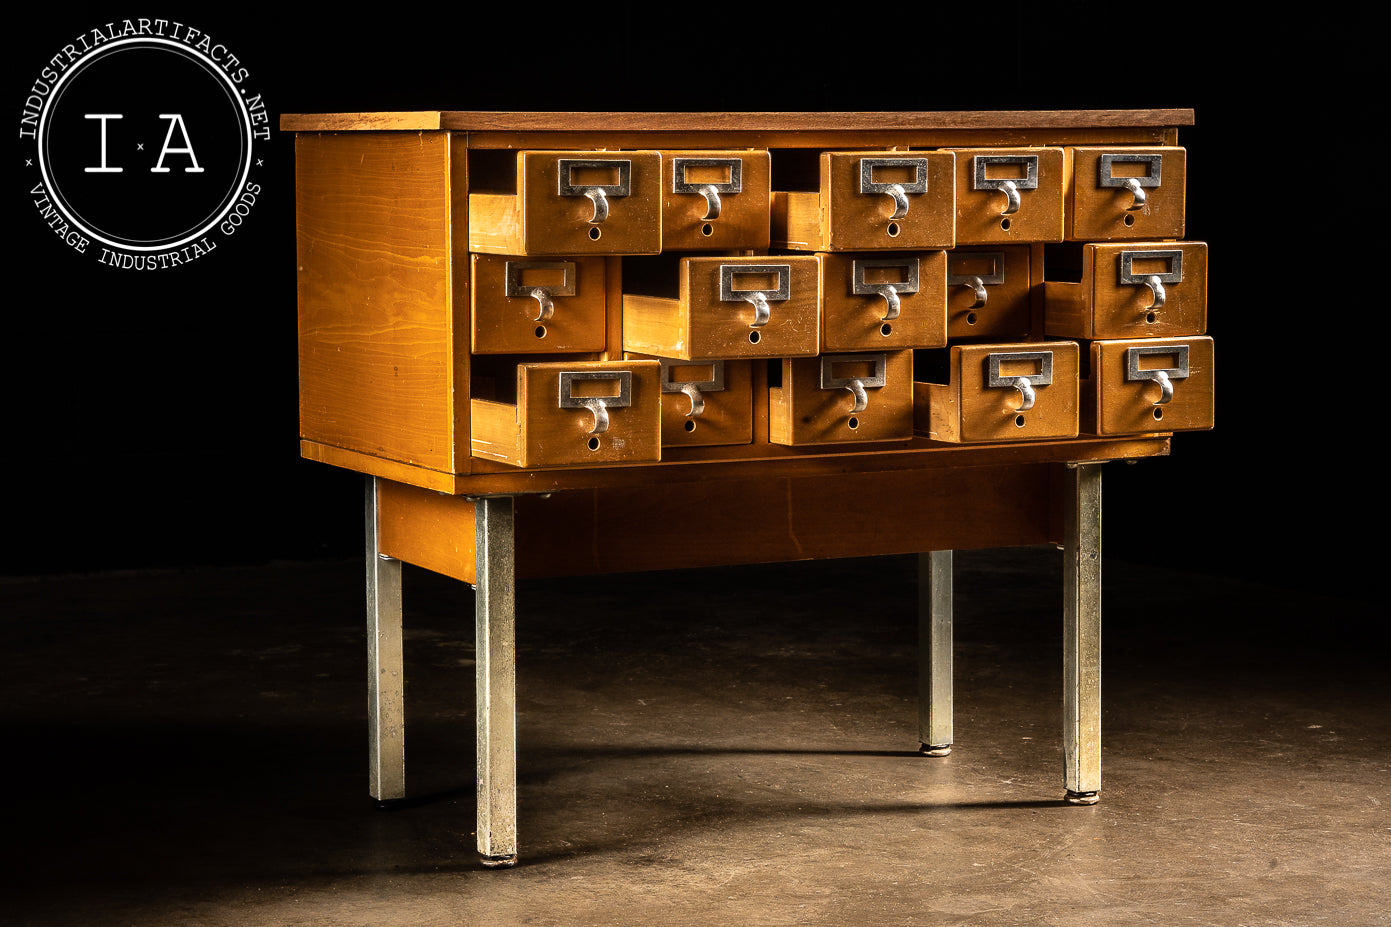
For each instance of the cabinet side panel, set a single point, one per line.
(375, 300)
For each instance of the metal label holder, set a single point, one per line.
(599, 405)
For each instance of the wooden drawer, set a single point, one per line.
(1002, 392)
(988, 292)
(573, 202)
(1126, 193)
(869, 201)
(523, 305)
(842, 397)
(705, 402)
(1009, 195)
(1139, 290)
(883, 302)
(573, 414)
(730, 307)
(715, 200)
(1149, 385)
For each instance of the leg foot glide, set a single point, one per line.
(1082, 798)
(929, 750)
(499, 862)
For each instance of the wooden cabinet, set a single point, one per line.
(428, 242)
(579, 343)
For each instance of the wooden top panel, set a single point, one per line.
(735, 122)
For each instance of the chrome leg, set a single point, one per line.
(934, 652)
(1082, 635)
(386, 715)
(496, 662)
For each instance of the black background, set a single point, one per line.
(150, 419)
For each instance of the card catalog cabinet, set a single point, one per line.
(486, 293)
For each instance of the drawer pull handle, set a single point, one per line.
(598, 194)
(693, 388)
(711, 191)
(890, 291)
(1023, 383)
(898, 192)
(1155, 282)
(856, 385)
(1154, 164)
(978, 282)
(544, 295)
(758, 298)
(598, 405)
(1010, 187)
(1164, 376)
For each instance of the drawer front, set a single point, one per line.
(1003, 392)
(715, 200)
(1009, 195)
(843, 398)
(1148, 290)
(988, 292)
(731, 307)
(901, 200)
(590, 202)
(524, 305)
(706, 402)
(1150, 385)
(883, 302)
(1126, 193)
(573, 414)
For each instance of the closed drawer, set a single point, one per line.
(573, 414)
(1149, 385)
(1002, 392)
(524, 305)
(715, 200)
(884, 302)
(871, 200)
(573, 202)
(1139, 290)
(706, 402)
(1126, 193)
(1008, 195)
(838, 398)
(988, 292)
(730, 307)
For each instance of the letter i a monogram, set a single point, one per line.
(176, 120)
(103, 169)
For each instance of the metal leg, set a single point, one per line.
(934, 652)
(386, 715)
(496, 662)
(1082, 635)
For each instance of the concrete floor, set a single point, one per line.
(722, 746)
